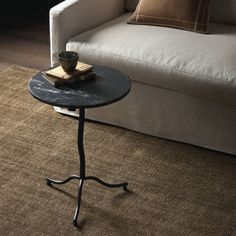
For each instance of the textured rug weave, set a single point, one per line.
(175, 189)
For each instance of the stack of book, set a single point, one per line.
(58, 77)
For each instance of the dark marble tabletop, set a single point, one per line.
(109, 86)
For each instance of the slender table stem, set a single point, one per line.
(81, 142)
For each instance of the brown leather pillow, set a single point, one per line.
(190, 15)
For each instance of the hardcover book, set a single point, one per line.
(59, 73)
(58, 77)
(90, 75)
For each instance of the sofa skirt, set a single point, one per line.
(173, 115)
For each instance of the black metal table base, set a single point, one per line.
(51, 181)
(82, 176)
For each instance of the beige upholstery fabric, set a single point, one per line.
(66, 18)
(168, 114)
(195, 64)
(224, 11)
(184, 14)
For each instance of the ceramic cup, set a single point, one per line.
(68, 60)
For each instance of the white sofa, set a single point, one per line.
(183, 83)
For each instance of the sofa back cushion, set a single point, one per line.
(223, 11)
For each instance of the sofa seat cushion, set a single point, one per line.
(183, 61)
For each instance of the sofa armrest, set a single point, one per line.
(73, 17)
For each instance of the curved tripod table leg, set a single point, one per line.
(52, 181)
(122, 185)
(75, 222)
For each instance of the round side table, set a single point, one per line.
(109, 86)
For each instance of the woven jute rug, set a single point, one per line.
(175, 189)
